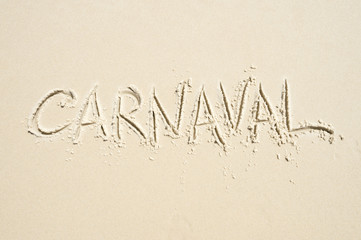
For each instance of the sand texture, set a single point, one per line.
(172, 120)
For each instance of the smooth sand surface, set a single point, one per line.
(180, 120)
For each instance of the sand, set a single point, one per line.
(180, 120)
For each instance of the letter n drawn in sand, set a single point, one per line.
(156, 107)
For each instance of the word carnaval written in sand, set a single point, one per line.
(261, 114)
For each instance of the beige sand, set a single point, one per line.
(180, 120)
